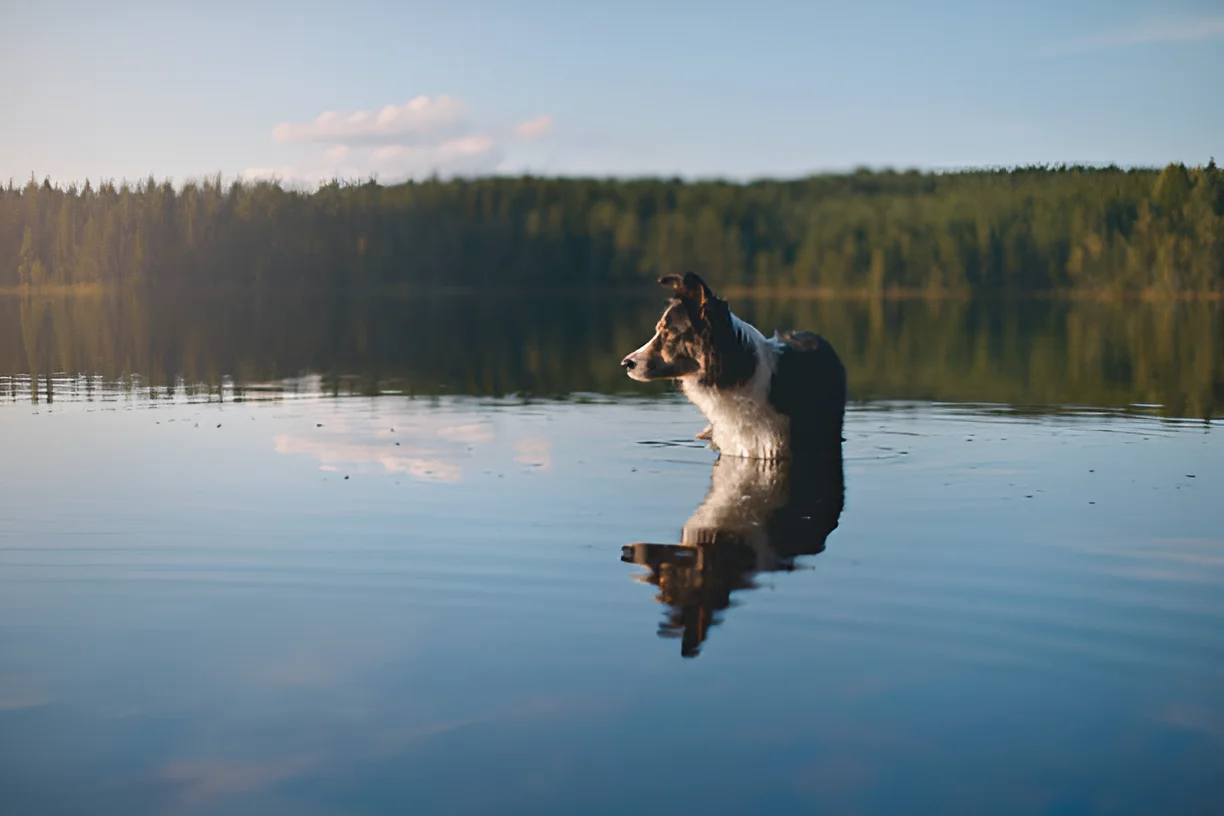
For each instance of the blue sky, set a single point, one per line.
(699, 89)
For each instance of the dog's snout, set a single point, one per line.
(628, 363)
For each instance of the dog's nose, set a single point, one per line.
(628, 364)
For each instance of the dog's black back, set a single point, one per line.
(809, 387)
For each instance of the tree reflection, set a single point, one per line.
(1020, 353)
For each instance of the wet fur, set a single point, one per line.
(764, 398)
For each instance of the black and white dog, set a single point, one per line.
(764, 398)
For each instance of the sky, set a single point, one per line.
(307, 91)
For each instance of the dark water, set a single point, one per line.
(232, 580)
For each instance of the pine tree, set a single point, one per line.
(30, 270)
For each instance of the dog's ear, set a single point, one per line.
(692, 300)
(690, 288)
(694, 283)
(675, 283)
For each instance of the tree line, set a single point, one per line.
(1041, 229)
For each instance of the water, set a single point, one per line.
(408, 584)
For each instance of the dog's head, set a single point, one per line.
(681, 340)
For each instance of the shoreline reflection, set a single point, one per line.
(1035, 355)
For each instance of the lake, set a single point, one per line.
(329, 555)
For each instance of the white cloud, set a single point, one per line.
(423, 137)
(1146, 33)
(420, 120)
(532, 128)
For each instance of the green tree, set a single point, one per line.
(30, 270)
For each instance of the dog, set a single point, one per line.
(758, 516)
(764, 398)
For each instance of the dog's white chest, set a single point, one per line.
(744, 422)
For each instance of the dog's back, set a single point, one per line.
(809, 387)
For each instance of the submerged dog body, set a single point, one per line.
(765, 398)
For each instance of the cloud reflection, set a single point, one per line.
(332, 454)
(201, 782)
(534, 452)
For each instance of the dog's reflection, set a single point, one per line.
(758, 516)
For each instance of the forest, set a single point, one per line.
(1072, 230)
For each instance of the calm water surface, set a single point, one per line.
(300, 599)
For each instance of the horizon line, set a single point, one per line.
(219, 177)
